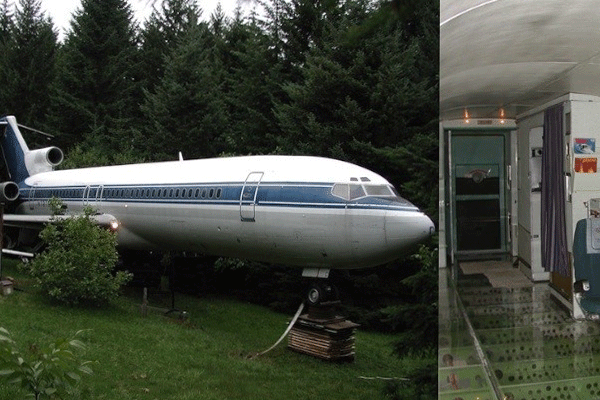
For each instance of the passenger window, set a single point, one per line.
(219, 191)
(211, 192)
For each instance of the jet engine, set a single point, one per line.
(43, 160)
(9, 191)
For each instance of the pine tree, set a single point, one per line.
(368, 94)
(6, 46)
(97, 93)
(162, 34)
(329, 107)
(252, 84)
(29, 49)
(187, 110)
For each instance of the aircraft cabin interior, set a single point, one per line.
(519, 140)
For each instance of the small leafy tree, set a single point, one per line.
(46, 372)
(78, 262)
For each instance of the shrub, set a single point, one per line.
(78, 261)
(46, 372)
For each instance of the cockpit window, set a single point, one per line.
(379, 191)
(348, 192)
(355, 191)
(341, 190)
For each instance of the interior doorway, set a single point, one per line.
(479, 191)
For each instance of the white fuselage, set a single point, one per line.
(303, 211)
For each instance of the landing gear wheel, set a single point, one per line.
(315, 294)
(320, 292)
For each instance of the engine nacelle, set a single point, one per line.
(43, 160)
(9, 191)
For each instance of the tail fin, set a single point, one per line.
(20, 161)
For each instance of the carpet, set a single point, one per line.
(500, 274)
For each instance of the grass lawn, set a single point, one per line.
(156, 357)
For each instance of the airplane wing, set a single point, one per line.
(38, 221)
(18, 253)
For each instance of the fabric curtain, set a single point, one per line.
(554, 229)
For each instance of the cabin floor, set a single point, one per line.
(501, 337)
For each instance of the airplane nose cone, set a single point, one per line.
(403, 231)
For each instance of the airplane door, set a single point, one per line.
(99, 191)
(31, 198)
(86, 195)
(92, 195)
(248, 196)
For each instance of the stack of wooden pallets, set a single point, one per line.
(329, 339)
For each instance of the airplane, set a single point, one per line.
(315, 213)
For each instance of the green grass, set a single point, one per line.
(155, 357)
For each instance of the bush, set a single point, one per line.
(78, 262)
(50, 371)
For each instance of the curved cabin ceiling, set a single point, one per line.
(516, 54)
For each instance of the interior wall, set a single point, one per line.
(529, 144)
(582, 143)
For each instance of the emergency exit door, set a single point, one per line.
(478, 178)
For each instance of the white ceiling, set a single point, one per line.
(516, 54)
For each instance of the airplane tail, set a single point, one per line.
(20, 161)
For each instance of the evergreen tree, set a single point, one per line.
(29, 49)
(97, 93)
(6, 21)
(6, 46)
(187, 110)
(162, 34)
(295, 27)
(252, 84)
(330, 105)
(369, 95)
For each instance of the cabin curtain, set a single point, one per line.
(554, 228)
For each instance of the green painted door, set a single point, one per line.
(478, 179)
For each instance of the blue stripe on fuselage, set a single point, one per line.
(284, 194)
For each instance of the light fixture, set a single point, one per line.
(466, 116)
(502, 116)
(114, 225)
